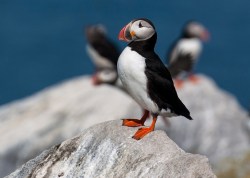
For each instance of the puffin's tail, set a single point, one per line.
(189, 117)
(183, 111)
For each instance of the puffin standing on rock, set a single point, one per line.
(185, 52)
(145, 77)
(103, 53)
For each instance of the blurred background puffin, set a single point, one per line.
(185, 51)
(103, 53)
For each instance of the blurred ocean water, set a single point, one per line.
(42, 42)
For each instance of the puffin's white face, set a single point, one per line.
(137, 30)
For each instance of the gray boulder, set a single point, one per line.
(107, 150)
(219, 129)
(31, 125)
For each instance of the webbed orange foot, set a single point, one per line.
(132, 123)
(136, 122)
(142, 132)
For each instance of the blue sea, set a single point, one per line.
(42, 42)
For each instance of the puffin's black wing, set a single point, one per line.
(170, 50)
(161, 88)
(183, 62)
(178, 61)
(107, 49)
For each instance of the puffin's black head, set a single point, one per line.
(193, 29)
(137, 30)
(94, 32)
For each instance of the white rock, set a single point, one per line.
(107, 150)
(218, 129)
(31, 125)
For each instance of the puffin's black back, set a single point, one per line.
(170, 50)
(160, 85)
(184, 63)
(98, 40)
(107, 49)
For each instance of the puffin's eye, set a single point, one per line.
(140, 25)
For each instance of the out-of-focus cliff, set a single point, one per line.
(29, 126)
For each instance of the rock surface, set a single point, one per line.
(107, 150)
(31, 125)
(220, 128)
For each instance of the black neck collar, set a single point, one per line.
(185, 35)
(147, 45)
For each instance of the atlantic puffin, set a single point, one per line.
(185, 51)
(145, 77)
(104, 54)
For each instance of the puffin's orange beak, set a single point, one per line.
(205, 36)
(122, 34)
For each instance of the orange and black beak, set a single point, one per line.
(205, 36)
(125, 34)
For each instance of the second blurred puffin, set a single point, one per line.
(103, 53)
(185, 52)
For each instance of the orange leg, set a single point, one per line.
(95, 80)
(144, 131)
(178, 83)
(146, 113)
(136, 122)
(193, 78)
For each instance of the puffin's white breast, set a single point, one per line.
(187, 46)
(131, 70)
(98, 60)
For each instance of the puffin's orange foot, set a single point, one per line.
(132, 122)
(193, 79)
(178, 84)
(95, 80)
(142, 132)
